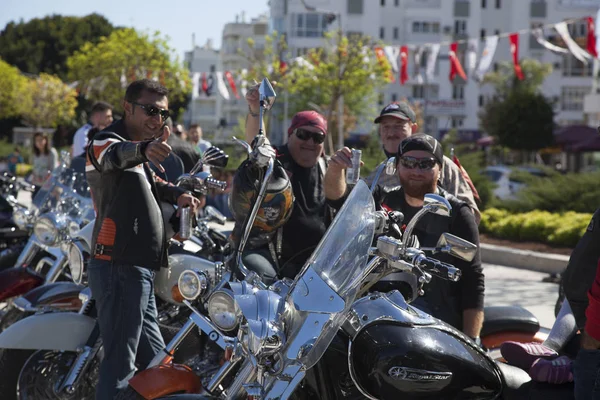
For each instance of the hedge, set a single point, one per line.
(560, 229)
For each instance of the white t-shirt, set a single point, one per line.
(80, 140)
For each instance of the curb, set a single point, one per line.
(523, 259)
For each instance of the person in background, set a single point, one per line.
(180, 132)
(195, 137)
(13, 159)
(45, 159)
(100, 117)
(187, 152)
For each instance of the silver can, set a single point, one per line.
(353, 173)
(185, 223)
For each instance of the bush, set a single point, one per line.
(561, 229)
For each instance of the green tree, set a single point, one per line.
(44, 44)
(104, 69)
(50, 102)
(518, 114)
(13, 88)
(345, 67)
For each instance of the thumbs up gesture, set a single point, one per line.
(158, 149)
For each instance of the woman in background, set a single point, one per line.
(45, 159)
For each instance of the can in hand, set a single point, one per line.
(185, 223)
(353, 173)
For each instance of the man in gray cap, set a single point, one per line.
(397, 121)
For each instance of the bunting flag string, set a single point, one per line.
(514, 50)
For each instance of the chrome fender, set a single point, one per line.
(167, 278)
(53, 331)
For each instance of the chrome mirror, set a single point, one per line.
(267, 94)
(390, 166)
(437, 204)
(215, 157)
(457, 247)
(215, 215)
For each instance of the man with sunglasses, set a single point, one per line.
(129, 240)
(397, 121)
(304, 161)
(419, 163)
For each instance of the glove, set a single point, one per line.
(262, 151)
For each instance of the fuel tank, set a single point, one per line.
(398, 352)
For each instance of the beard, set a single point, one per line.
(418, 189)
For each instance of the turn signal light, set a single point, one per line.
(176, 294)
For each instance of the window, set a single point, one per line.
(573, 67)
(394, 97)
(308, 25)
(355, 6)
(382, 33)
(457, 122)
(431, 126)
(481, 100)
(498, 3)
(381, 99)
(425, 27)
(382, 3)
(482, 34)
(483, 3)
(429, 92)
(460, 26)
(577, 29)
(458, 92)
(396, 3)
(571, 98)
(395, 33)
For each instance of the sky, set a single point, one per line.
(178, 19)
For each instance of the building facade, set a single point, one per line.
(417, 22)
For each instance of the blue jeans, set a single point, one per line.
(586, 372)
(128, 321)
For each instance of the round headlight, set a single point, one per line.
(46, 231)
(76, 263)
(191, 284)
(223, 310)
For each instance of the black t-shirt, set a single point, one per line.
(309, 219)
(468, 292)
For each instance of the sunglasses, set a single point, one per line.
(303, 134)
(151, 110)
(421, 163)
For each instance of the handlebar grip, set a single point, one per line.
(215, 184)
(438, 268)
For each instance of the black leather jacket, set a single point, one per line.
(129, 226)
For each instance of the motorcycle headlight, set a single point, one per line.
(46, 231)
(223, 310)
(191, 284)
(76, 261)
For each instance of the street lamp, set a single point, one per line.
(331, 15)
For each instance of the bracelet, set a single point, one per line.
(253, 114)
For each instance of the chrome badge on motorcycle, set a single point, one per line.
(420, 375)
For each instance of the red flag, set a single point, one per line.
(381, 58)
(514, 49)
(231, 82)
(282, 67)
(403, 64)
(204, 83)
(591, 37)
(467, 178)
(455, 67)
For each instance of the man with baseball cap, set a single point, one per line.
(419, 160)
(397, 121)
(303, 159)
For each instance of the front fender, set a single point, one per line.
(63, 295)
(166, 379)
(63, 331)
(17, 281)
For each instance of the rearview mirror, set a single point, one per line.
(457, 247)
(390, 166)
(436, 204)
(215, 157)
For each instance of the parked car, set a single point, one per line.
(506, 187)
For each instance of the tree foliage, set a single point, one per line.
(518, 114)
(343, 67)
(13, 87)
(44, 44)
(49, 101)
(103, 70)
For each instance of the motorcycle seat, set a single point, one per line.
(519, 386)
(508, 318)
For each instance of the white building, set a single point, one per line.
(235, 41)
(415, 22)
(204, 110)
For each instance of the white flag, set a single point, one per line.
(196, 85)
(243, 82)
(417, 76)
(221, 87)
(485, 62)
(432, 55)
(538, 34)
(471, 60)
(577, 51)
(392, 53)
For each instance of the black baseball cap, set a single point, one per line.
(423, 142)
(400, 110)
